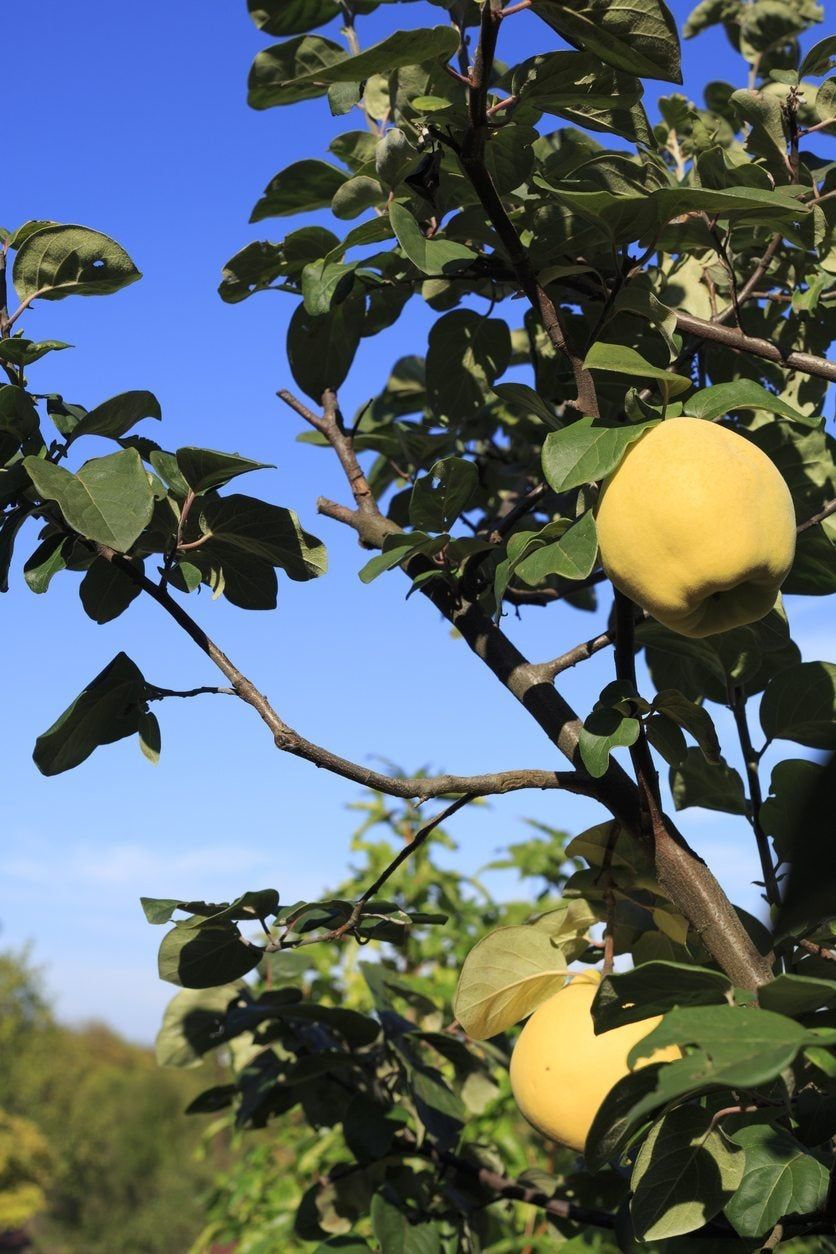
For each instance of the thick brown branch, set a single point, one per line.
(689, 883)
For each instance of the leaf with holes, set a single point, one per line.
(58, 261)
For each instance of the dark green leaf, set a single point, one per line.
(780, 1178)
(809, 847)
(301, 188)
(271, 81)
(398, 1233)
(714, 787)
(106, 591)
(206, 958)
(466, 353)
(441, 496)
(795, 995)
(204, 468)
(266, 531)
(694, 718)
(800, 704)
(115, 417)
(791, 784)
(685, 1172)
(107, 710)
(320, 350)
(653, 989)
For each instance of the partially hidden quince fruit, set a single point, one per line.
(697, 526)
(561, 1071)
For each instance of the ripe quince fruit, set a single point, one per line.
(697, 526)
(561, 1071)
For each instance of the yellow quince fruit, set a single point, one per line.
(561, 1071)
(697, 526)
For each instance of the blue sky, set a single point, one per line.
(134, 121)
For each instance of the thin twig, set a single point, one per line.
(827, 509)
(159, 694)
(737, 703)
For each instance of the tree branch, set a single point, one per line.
(471, 154)
(732, 337)
(737, 702)
(691, 886)
(683, 876)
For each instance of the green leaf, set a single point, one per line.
(266, 531)
(579, 88)
(505, 977)
(795, 995)
(465, 354)
(325, 284)
(106, 591)
(638, 36)
(398, 1233)
(789, 788)
(115, 417)
(764, 114)
(809, 847)
(614, 1125)
(204, 468)
(159, 909)
(431, 256)
(726, 398)
(291, 17)
(18, 351)
(604, 730)
(618, 359)
(685, 1172)
(780, 1178)
(666, 738)
(826, 101)
(800, 704)
(109, 500)
(150, 737)
(320, 350)
(58, 261)
(713, 787)
(441, 496)
(694, 718)
(18, 415)
(404, 47)
(193, 1025)
(654, 988)
(107, 710)
(49, 557)
(523, 399)
(572, 556)
(583, 453)
(206, 958)
(301, 188)
(820, 60)
(400, 546)
(287, 72)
